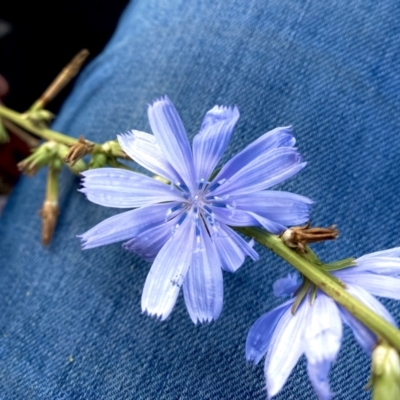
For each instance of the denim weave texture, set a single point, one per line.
(70, 320)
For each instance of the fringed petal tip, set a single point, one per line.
(202, 321)
(158, 101)
(285, 130)
(252, 357)
(86, 244)
(158, 317)
(83, 240)
(224, 112)
(124, 136)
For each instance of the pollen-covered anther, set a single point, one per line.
(298, 237)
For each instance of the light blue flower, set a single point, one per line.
(184, 225)
(316, 330)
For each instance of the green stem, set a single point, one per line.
(36, 106)
(52, 184)
(329, 285)
(43, 133)
(48, 134)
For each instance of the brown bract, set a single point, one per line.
(298, 237)
(78, 150)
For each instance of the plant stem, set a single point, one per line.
(43, 133)
(62, 79)
(50, 210)
(329, 285)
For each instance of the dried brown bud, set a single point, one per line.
(298, 237)
(80, 149)
(49, 214)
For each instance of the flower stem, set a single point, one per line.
(112, 148)
(62, 79)
(43, 133)
(50, 210)
(327, 284)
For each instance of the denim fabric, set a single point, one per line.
(70, 321)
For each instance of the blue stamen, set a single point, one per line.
(216, 184)
(173, 210)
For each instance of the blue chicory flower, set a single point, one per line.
(316, 330)
(183, 224)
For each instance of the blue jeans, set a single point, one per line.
(70, 321)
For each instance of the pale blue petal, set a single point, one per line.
(370, 301)
(285, 349)
(212, 140)
(169, 270)
(287, 286)
(385, 265)
(394, 252)
(171, 136)
(231, 248)
(365, 338)
(232, 217)
(271, 226)
(379, 285)
(265, 171)
(278, 137)
(144, 149)
(116, 187)
(318, 374)
(322, 340)
(150, 241)
(125, 226)
(203, 286)
(283, 207)
(260, 334)
(324, 330)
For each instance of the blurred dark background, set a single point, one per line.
(37, 39)
(44, 36)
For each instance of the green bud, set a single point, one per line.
(98, 160)
(113, 149)
(78, 167)
(57, 164)
(385, 373)
(62, 150)
(3, 133)
(40, 157)
(39, 117)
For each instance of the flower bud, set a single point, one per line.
(98, 160)
(39, 158)
(39, 117)
(385, 373)
(113, 149)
